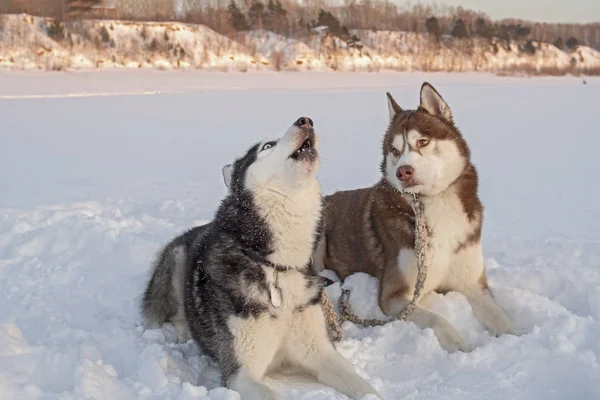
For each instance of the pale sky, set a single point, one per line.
(536, 10)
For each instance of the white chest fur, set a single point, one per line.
(292, 221)
(292, 290)
(447, 220)
(449, 263)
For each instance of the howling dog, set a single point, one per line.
(371, 230)
(244, 285)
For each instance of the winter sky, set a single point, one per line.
(534, 10)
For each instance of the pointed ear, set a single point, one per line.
(393, 107)
(433, 103)
(227, 171)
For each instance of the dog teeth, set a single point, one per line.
(306, 146)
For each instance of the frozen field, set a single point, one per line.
(98, 169)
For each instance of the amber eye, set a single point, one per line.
(395, 152)
(422, 142)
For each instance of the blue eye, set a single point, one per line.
(268, 145)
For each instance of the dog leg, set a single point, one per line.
(488, 313)
(449, 338)
(255, 343)
(181, 327)
(333, 370)
(249, 387)
(309, 346)
(319, 255)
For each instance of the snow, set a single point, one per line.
(98, 169)
(293, 54)
(28, 42)
(587, 55)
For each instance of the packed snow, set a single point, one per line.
(99, 169)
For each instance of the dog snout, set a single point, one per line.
(405, 173)
(304, 122)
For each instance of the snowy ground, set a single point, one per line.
(97, 170)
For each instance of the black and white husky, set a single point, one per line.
(250, 296)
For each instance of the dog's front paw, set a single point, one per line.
(458, 345)
(451, 340)
(502, 325)
(362, 390)
(371, 396)
(263, 393)
(182, 331)
(273, 396)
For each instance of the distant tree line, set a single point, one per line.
(505, 32)
(438, 22)
(296, 18)
(271, 17)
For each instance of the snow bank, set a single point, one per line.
(587, 57)
(284, 53)
(411, 51)
(28, 42)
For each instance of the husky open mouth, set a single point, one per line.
(306, 151)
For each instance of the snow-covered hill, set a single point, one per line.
(28, 42)
(31, 42)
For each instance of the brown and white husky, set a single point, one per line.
(371, 230)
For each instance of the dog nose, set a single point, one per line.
(405, 173)
(304, 122)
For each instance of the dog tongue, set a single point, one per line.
(326, 281)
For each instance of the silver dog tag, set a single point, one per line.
(275, 296)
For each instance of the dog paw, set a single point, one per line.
(182, 331)
(503, 326)
(183, 337)
(501, 332)
(451, 340)
(371, 396)
(274, 396)
(362, 390)
(459, 346)
(264, 393)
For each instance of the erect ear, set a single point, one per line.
(393, 107)
(227, 171)
(433, 103)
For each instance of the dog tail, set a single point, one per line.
(163, 297)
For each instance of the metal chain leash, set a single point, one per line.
(421, 242)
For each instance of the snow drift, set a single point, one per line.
(28, 42)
